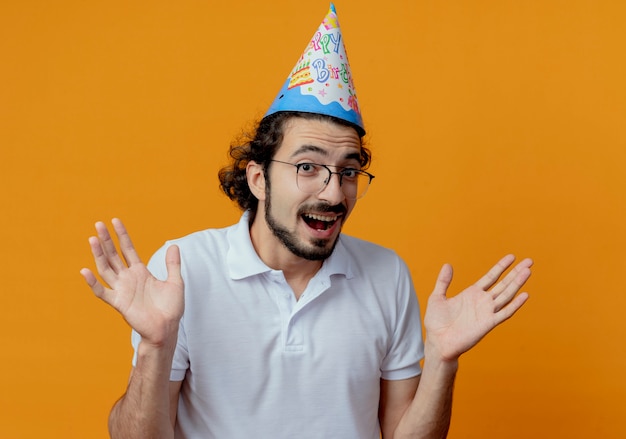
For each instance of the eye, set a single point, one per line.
(307, 169)
(350, 173)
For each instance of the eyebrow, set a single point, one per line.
(309, 148)
(313, 148)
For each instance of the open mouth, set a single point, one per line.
(320, 222)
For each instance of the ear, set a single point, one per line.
(256, 180)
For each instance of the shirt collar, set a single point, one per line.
(243, 261)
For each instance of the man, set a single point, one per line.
(280, 326)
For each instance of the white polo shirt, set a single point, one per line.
(256, 363)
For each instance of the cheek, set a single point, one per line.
(350, 206)
(285, 190)
(285, 197)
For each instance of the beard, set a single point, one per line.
(316, 249)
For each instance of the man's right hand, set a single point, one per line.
(151, 307)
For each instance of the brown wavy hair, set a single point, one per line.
(260, 147)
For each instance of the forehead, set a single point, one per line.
(322, 137)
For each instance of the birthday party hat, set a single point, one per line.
(321, 81)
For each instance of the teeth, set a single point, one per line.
(329, 219)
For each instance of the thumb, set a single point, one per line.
(443, 281)
(172, 263)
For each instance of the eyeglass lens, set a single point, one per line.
(312, 178)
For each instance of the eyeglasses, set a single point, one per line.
(312, 178)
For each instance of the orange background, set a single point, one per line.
(496, 126)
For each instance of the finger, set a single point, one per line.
(496, 271)
(508, 311)
(172, 263)
(98, 289)
(512, 288)
(102, 261)
(443, 281)
(504, 283)
(126, 245)
(108, 247)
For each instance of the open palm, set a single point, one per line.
(150, 306)
(454, 325)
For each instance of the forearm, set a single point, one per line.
(428, 415)
(144, 410)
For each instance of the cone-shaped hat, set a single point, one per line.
(321, 81)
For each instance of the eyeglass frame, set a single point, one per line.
(340, 173)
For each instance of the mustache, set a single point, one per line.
(323, 207)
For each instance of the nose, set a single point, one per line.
(332, 192)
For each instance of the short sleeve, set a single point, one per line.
(406, 349)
